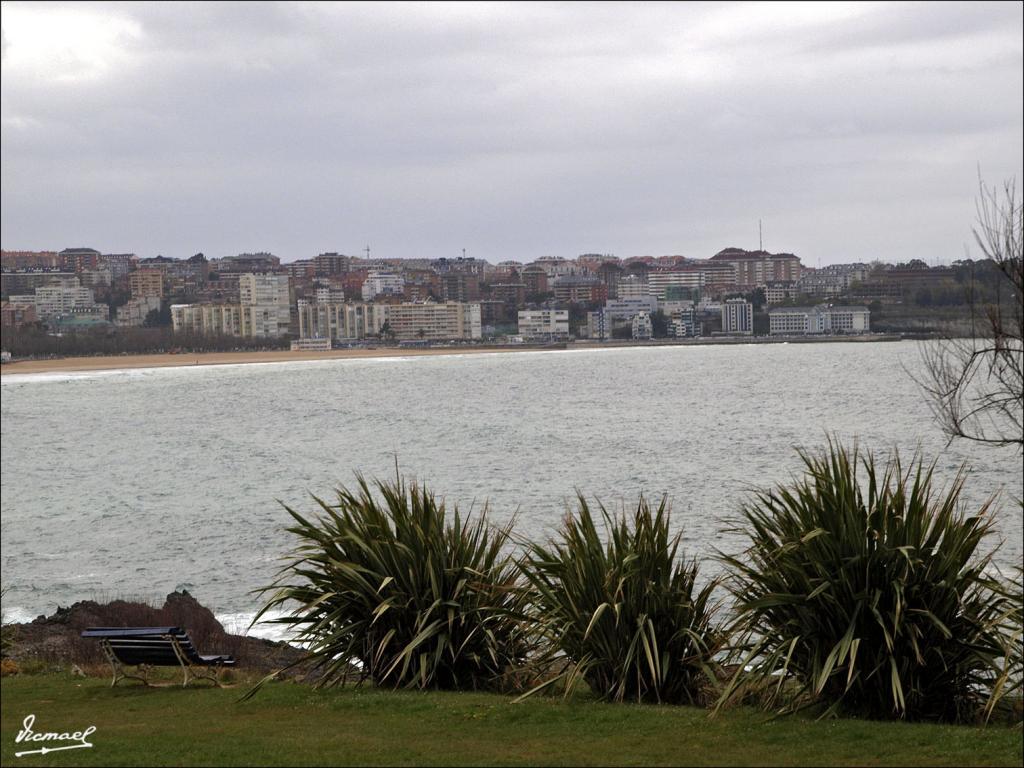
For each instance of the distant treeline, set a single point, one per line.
(34, 342)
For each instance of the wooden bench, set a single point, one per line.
(145, 647)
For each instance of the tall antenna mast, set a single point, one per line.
(760, 237)
(367, 249)
(463, 253)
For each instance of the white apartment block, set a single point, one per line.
(435, 321)
(632, 287)
(382, 284)
(53, 300)
(684, 323)
(329, 295)
(206, 319)
(260, 288)
(96, 278)
(675, 305)
(848, 320)
(642, 327)
(134, 313)
(265, 298)
(777, 292)
(626, 309)
(821, 319)
(265, 321)
(599, 325)
(738, 317)
(336, 320)
(658, 282)
(544, 323)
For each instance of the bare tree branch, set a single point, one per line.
(975, 384)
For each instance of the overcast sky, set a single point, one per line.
(854, 131)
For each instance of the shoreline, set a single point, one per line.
(85, 364)
(177, 360)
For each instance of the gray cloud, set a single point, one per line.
(855, 131)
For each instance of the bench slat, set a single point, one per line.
(112, 632)
(153, 646)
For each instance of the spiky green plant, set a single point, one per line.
(1009, 685)
(403, 592)
(626, 614)
(869, 595)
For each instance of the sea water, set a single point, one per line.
(137, 482)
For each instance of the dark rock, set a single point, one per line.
(56, 639)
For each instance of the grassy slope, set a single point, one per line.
(289, 724)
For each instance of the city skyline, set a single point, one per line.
(372, 257)
(853, 131)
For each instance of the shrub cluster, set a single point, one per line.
(413, 598)
(870, 595)
(863, 590)
(626, 615)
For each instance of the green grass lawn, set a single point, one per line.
(291, 724)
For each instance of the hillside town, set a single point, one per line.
(335, 300)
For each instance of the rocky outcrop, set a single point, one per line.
(56, 639)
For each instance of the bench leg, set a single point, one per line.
(198, 673)
(118, 667)
(204, 673)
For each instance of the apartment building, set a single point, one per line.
(14, 315)
(146, 282)
(544, 323)
(338, 320)
(777, 291)
(848, 320)
(53, 300)
(26, 281)
(96, 278)
(535, 278)
(718, 276)
(331, 264)
(659, 281)
(683, 323)
(599, 325)
(509, 293)
(264, 310)
(753, 268)
(247, 262)
(626, 308)
(557, 266)
(79, 259)
(738, 317)
(119, 264)
(459, 287)
(16, 260)
(642, 326)
(820, 319)
(439, 322)
(632, 287)
(266, 304)
(382, 284)
(207, 319)
(579, 289)
(135, 311)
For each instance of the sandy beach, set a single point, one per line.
(119, 362)
(122, 362)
